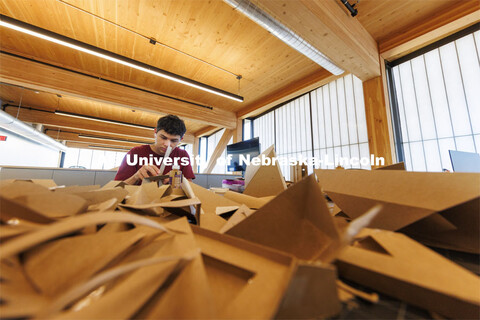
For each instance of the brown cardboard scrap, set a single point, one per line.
(409, 197)
(101, 195)
(211, 201)
(370, 297)
(164, 290)
(11, 209)
(54, 205)
(113, 184)
(395, 166)
(297, 221)
(59, 265)
(212, 221)
(17, 189)
(19, 297)
(261, 181)
(248, 281)
(77, 189)
(312, 293)
(249, 201)
(69, 225)
(396, 265)
(108, 205)
(241, 214)
(147, 193)
(11, 231)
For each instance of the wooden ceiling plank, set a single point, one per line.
(38, 76)
(206, 131)
(72, 137)
(327, 26)
(428, 32)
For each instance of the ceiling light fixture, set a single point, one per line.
(83, 136)
(83, 47)
(283, 33)
(74, 115)
(108, 148)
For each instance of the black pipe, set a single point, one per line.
(350, 8)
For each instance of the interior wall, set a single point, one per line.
(19, 151)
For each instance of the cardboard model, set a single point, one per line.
(398, 266)
(262, 181)
(297, 221)
(440, 209)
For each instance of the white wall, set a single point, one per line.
(19, 151)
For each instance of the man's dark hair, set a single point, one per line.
(172, 125)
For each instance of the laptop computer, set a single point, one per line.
(465, 161)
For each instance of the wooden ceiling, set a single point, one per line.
(207, 41)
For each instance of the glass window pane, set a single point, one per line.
(465, 144)
(470, 67)
(445, 145)
(85, 158)
(418, 156)
(454, 87)
(433, 156)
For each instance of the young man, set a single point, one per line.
(169, 132)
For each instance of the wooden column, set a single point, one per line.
(377, 119)
(196, 144)
(222, 144)
(238, 131)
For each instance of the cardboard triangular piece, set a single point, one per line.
(54, 205)
(395, 166)
(113, 184)
(13, 211)
(297, 221)
(409, 197)
(211, 221)
(316, 298)
(264, 180)
(56, 266)
(241, 214)
(172, 289)
(398, 266)
(211, 201)
(248, 281)
(249, 201)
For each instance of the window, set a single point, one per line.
(436, 106)
(93, 159)
(329, 121)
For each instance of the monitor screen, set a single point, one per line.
(248, 147)
(465, 161)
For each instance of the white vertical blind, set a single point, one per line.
(439, 104)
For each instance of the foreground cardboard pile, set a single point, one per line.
(123, 252)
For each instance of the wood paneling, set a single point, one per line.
(105, 147)
(50, 79)
(388, 19)
(326, 25)
(377, 122)
(429, 32)
(209, 30)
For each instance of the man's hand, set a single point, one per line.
(146, 171)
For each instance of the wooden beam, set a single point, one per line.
(286, 93)
(441, 25)
(47, 78)
(74, 137)
(206, 131)
(377, 121)
(53, 120)
(238, 132)
(106, 147)
(222, 144)
(196, 145)
(328, 27)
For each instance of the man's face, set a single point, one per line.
(163, 140)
